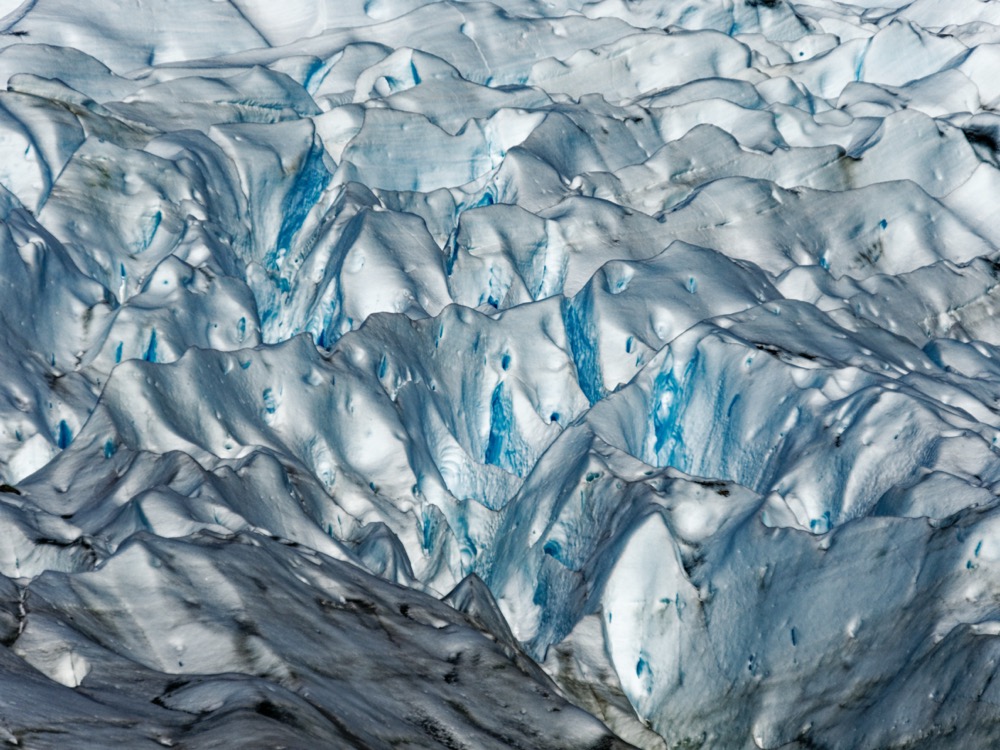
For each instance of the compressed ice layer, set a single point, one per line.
(674, 323)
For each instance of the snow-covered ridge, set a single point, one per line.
(658, 339)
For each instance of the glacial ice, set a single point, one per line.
(565, 374)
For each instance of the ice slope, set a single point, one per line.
(435, 374)
(242, 639)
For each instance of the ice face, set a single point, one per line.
(369, 366)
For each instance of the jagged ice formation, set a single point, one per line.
(525, 373)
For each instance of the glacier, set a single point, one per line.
(502, 374)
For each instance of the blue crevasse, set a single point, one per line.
(504, 448)
(431, 524)
(310, 182)
(322, 326)
(270, 403)
(501, 421)
(641, 666)
(150, 225)
(582, 339)
(314, 75)
(669, 404)
(150, 355)
(64, 436)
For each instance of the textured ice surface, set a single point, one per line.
(568, 374)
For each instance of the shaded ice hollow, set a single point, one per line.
(512, 374)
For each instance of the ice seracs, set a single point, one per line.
(658, 340)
